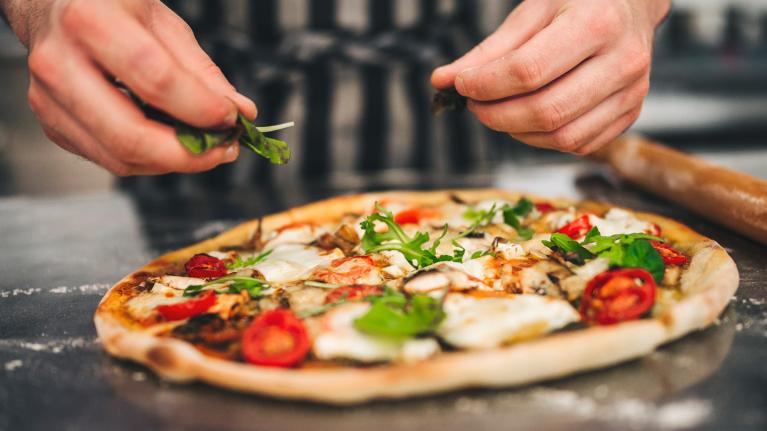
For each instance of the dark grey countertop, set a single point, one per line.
(59, 255)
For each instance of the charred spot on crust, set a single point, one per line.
(209, 329)
(457, 199)
(161, 357)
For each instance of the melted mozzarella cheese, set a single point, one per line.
(143, 305)
(510, 250)
(481, 323)
(576, 284)
(618, 221)
(178, 282)
(290, 262)
(302, 234)
(418, 350)
(339, 339)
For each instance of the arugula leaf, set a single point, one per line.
(511, 216)
(397, 240)
(236, 284)
(394, 315)
(447, 100)
(253, 260)
(198, 141)
(622, 250)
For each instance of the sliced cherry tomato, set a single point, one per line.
(544, 207)
(577, 228)
(352, 292)
(655, 229)
(414, 215)
(205, 266)
(347, 270)
(186, 309)
(276, 338)
(618, 295)
(669, 255)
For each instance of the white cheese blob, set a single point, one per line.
(301, 234)
(510, 250)
(339, 339)
(417, 350)
(290, 262)
(482, 323)
(143, 305)
(178, 282)
(618, 221)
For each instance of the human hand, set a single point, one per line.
(77, 45)
(569, 75)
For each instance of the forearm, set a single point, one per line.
(25, 17)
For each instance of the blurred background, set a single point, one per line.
(354, 76)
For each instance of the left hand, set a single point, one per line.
(569, 75)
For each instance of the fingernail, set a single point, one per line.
(231, 153)
(245, 101)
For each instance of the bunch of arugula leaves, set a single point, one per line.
(393, 314)
(622, 250)
(397, 240)
(511, 216)
(232, 284)
(198, 141)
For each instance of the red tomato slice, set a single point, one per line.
(618, 295)
(187, 309)
(669, 255)
(347, 270)
(276, 338)
(415, 215)
(544, 207)
(205, 266)
(352, 292)
(577, 228)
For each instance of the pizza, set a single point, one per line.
(398, 294)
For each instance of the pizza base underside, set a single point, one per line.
(712, 279)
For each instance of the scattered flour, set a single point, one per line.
(54, 346)
(12, 365)
(632, 413)
(471, 406)
(19, 292)
(85, 288)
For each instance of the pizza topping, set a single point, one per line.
(186, 309)
(352, 292)
(290, 262)
(294, 233)
(233, 283)
(618, 295)
(395, 315)
(485, 322)
(544, 207)
(669, 254)
(238, 262)
(618, 221)
(350, 270)
(577, 228)
(415, 215)
(276, 338)
(205, 266)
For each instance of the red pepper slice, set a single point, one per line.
(544, 207)
(577, 228)
(352, 292)
(414, 215)
(618, 295)
(186, 309)
(669, 255)
(276, 338)
(205, 266)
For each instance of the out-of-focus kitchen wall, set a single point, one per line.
(354, 74)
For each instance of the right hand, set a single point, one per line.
(76, 44)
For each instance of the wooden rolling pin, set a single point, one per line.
(726, 197)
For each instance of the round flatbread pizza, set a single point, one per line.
(399, 294)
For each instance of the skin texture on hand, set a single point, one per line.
(76, 46)
(569, 75)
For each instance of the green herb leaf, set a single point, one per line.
(512, 216)
(253, 260)
(324, 308)
(394, 315)
(232, 284)
(641, 254)
(447, 100)
(569, 247)
(275, 150)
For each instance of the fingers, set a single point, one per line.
(117, 42)
(613, 131)
(112, 120)
(552, 52)
(564, 100)
(575, 136)
(178, 39)
(524, 21)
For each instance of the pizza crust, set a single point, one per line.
(709, 283)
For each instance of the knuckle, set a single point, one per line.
(637, 93)
(548, 116)
(636, 62)
(75, 14)
(608, 23)
(41, 64)
(123, 150)
(155, 71)
(35, 100)
(565, 139)
(489, 119)
(526, 73)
